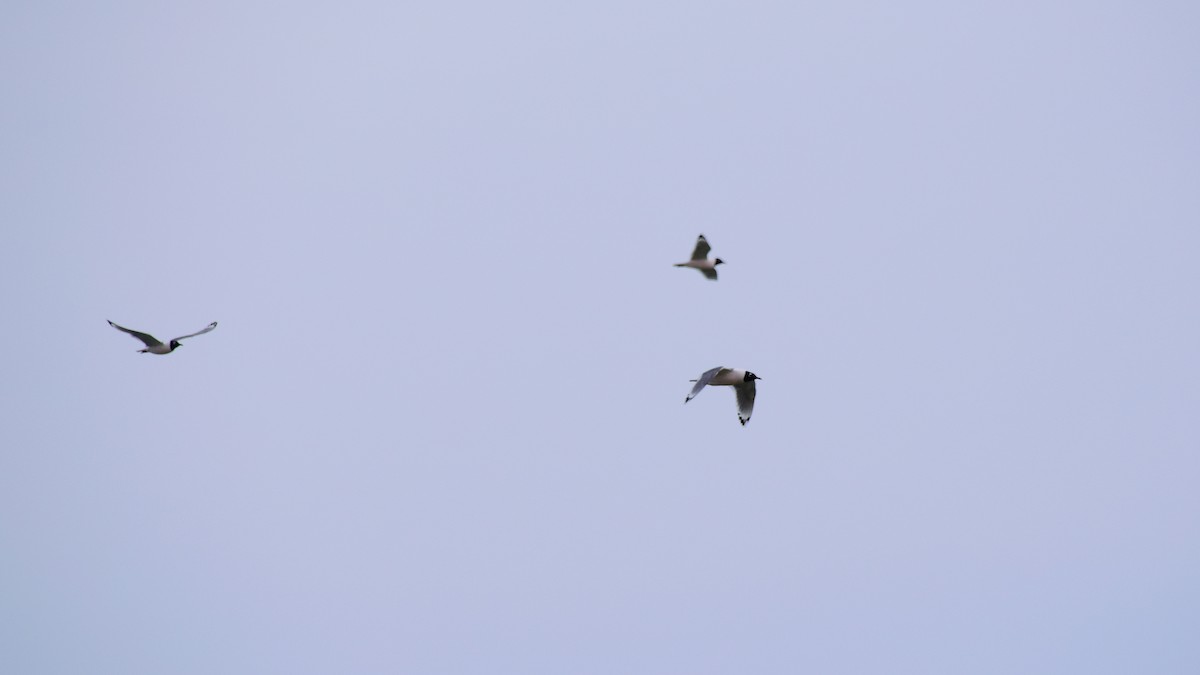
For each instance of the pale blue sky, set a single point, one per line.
(440, 428)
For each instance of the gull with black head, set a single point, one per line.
(742, 382)
(700, 259)
(153, 346)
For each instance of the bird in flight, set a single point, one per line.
(700, 259)
(742, 382)
(153, 346)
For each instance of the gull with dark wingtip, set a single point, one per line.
(700, 259)
(153, 346)
(742, 382)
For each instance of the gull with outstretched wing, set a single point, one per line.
(700, 259)
(153, 346)
(742, 382)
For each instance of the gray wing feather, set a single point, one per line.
(703, 382)
(711, 274)
(149, 340)
(702, 249)
(745, 401)
(201, 332)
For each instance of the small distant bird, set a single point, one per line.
(742, 382)
(153, 346)
(700, 259)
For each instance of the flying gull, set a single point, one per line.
(700, 259)
(153, 346)
(742, 382)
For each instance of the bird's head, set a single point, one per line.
(718, 261)
(175, 344)
(750, 377)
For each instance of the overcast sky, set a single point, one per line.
(440, 427)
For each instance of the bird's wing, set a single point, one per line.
(710, 273)
(745, 401)
(199, 332)
(703, 382)
(702, 249)
(144, 337)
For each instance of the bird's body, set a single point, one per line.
(700, 259)
(742, 382)
(160, 348)
(153, 346)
